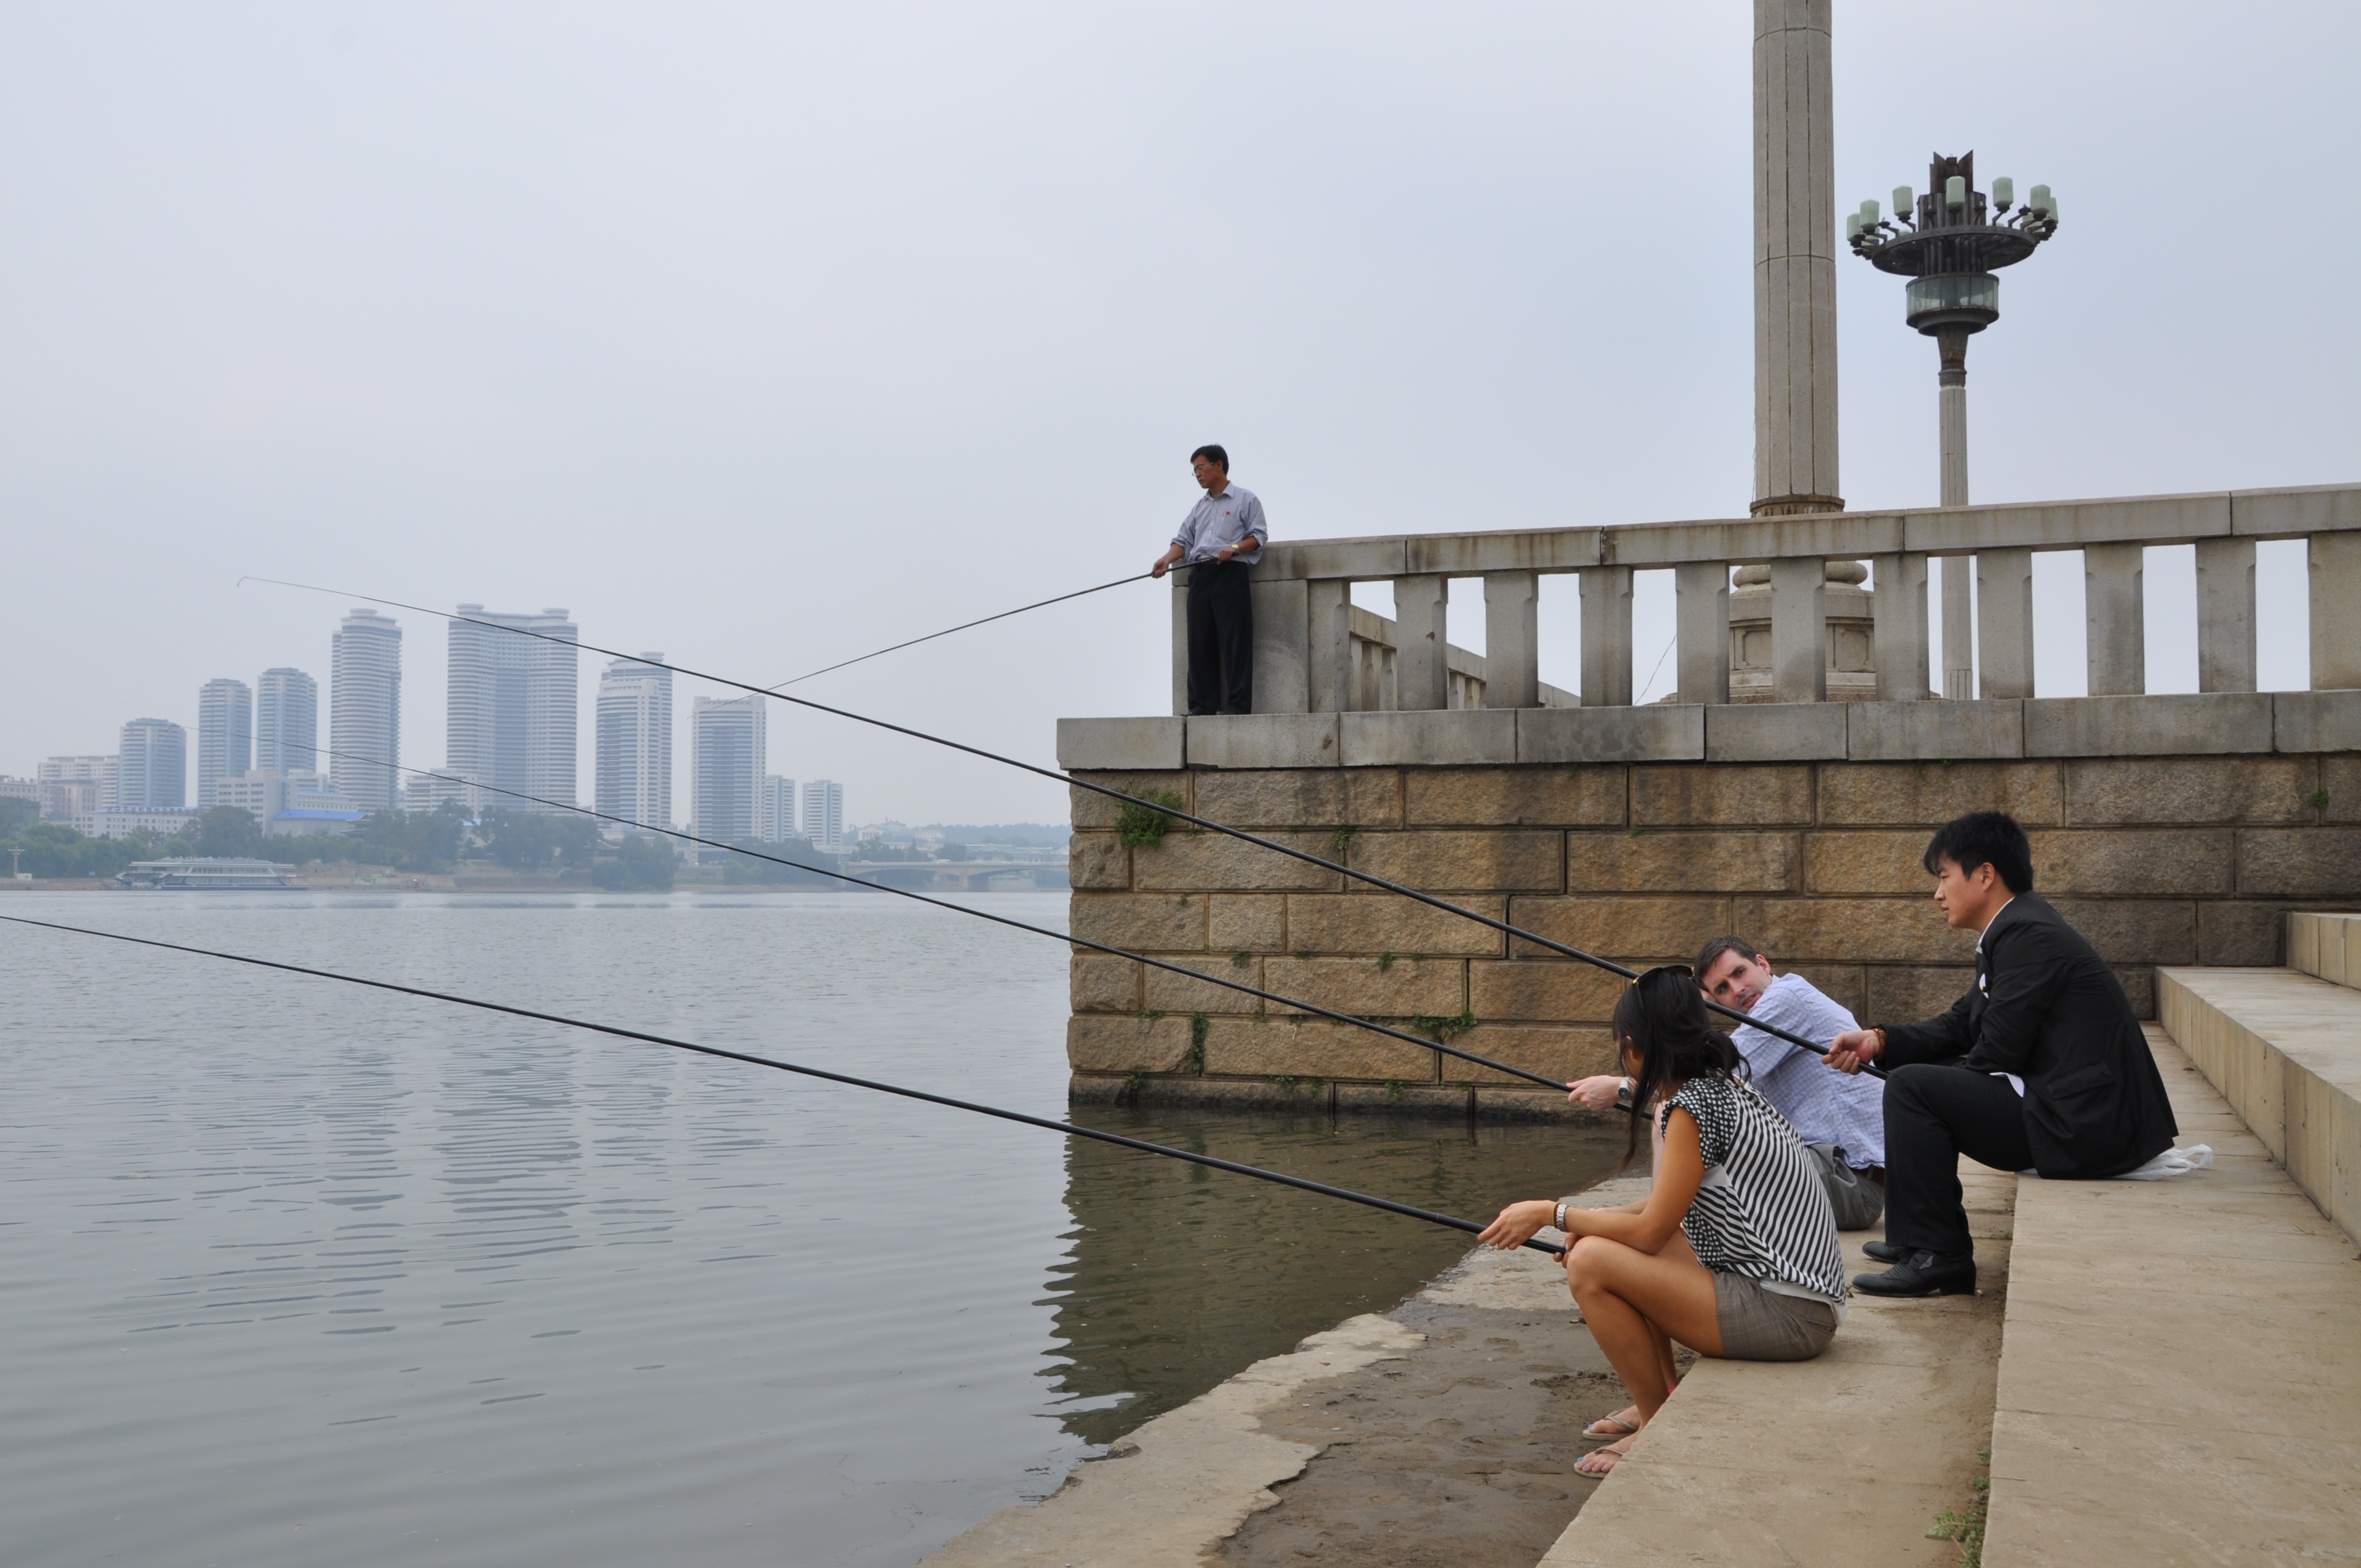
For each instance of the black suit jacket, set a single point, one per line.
(2046, 1009)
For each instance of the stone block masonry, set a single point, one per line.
(2186, 857)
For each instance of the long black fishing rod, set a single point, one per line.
(1493, 923)
(1237, 985)
(1072, 1129)
(986, 620)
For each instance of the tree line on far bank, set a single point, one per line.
(418, 842)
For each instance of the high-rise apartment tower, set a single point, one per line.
(513, 699)
(776, 822)
(224, 735)
(152, 769)
(286, 722)
(824, 814)
(635, 740)
(364, 710)
(726, 766)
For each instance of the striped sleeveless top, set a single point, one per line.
(1762, 1212)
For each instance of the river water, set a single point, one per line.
(300, 1272)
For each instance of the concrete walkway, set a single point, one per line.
(1848, 1459)
(2180, 1379)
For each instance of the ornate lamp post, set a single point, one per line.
(1948, 243)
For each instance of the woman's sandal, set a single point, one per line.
(1615, 1425)
(1600, 1462)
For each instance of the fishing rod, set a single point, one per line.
(1110, 792)
(1236, 985)
(1004, 615)
(1072, 1129)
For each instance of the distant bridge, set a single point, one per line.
(966, 876)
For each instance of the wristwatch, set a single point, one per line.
(1623, 1095)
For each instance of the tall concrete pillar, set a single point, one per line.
(1794, 261)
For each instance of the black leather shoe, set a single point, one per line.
(1884, 1251)
(1921, 1274)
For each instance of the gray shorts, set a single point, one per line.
(1765, 1325)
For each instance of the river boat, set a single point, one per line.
(236, 873)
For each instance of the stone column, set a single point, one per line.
(1328, 612)
(2004, 617)
(1794, 261)
(1180, 581)
(1898, 646)
(1513, 672)
(1951, 408)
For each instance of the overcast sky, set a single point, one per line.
(762, 335)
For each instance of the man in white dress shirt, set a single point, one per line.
(1222, 536)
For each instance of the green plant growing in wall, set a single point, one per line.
(1284, 1082)
(1968, 1529)
(1133, 1083)
(1340, 842)
(1394, 1087)
(1200, 1025)
(1385, 963)
(2317, 800)
(1138, 825)
(1241, 958)
(1440, 1030)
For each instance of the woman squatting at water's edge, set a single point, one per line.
(1733, 1252)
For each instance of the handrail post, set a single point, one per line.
(2114, 622)
(1606, 636)
(2334, 560)
(1799, 630)
(2225, 615)
(1512, 669)
(1701, 629)
(1898, 610)
(1422, 666)
(2004, 621)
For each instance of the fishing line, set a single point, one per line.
(1237, 985)
(1175, 813)
(963, 626)
(1410, 1210)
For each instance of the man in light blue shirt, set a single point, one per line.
(1222, 536)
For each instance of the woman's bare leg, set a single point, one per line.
(1628, 1299)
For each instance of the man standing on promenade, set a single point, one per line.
(2041, 1065)
(1222, 535)
(1840, 1119)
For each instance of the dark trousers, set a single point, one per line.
(1933, 1115)
(1221, 638)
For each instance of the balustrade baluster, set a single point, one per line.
(2335, 563)
(1799, 630)
(2004, 621)
(2114, 620)
(1606, 636)
(2225, 615)
(1701, 627)
(1898, 645)
(1422, 669)
(1512, 670)
(1328, 611)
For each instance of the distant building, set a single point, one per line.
(775, 822)
(635, 740)
(512, 705)
(364, 710)
(20, 789)
(824, 814)
(431, 791)
(271, 795)
(224, 735)
(286, 722)
(75, 787)
(211, 871)
(726, 766)
(152, 769)
(123, 822)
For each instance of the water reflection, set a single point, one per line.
(1180, 1275)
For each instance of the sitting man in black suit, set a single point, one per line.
(2041, 1066)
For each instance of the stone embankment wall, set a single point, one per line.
(2160, 859)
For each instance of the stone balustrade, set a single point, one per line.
(1797, 627)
